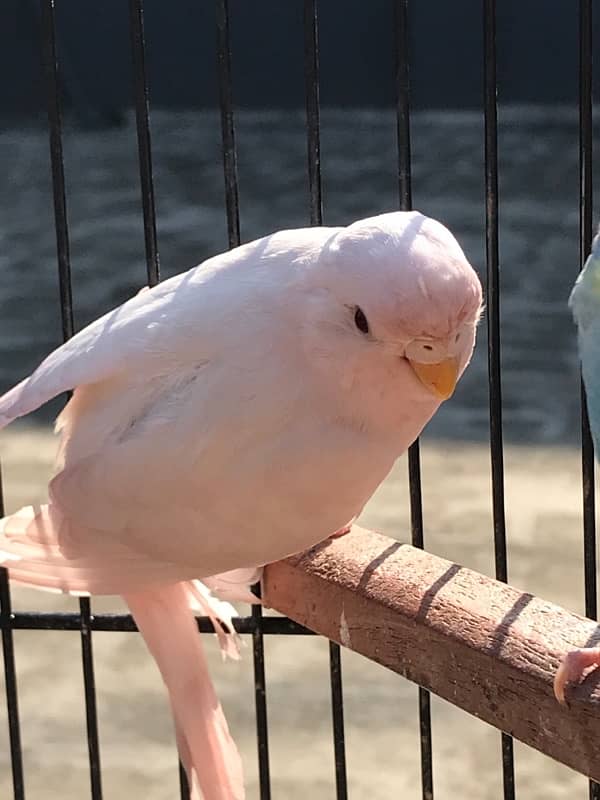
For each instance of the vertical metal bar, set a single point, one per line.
(56, 157)
(260, 700)
(313, 141)
(585, 239)
(233, 230)
(142, 116)
(337, 712)
(184, 787)
(313, 130)
(493, 321)
(144, 143)
(10, 678)
(402, 40)
(64, 272)
(227, 124)
(91, 715)
(493, 290)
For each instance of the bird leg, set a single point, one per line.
(573, 668)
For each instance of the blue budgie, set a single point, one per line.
(585, 305)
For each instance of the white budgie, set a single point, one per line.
(233, 415)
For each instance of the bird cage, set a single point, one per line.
(470, 638)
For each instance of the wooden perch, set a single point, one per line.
(478, 643)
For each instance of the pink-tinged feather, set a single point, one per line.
(8, 402)
(220, 612)
(43, 548)
(35, 547)
(235, 585)
(208, 752)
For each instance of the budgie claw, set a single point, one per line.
(573, 668)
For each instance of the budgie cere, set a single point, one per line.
(231, 416)
(585, 305)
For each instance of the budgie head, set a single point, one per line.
(393, 314)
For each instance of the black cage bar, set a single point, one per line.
(256, 625)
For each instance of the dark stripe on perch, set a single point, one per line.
(480, 644)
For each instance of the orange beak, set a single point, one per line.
(440, 379)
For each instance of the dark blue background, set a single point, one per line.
(537, 53)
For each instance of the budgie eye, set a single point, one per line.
(360, 320)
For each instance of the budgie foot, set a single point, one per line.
(342, 531)
(574, 667)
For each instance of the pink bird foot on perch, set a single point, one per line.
(573, 668)
(342, 531)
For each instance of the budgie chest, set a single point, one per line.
(589, 346)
